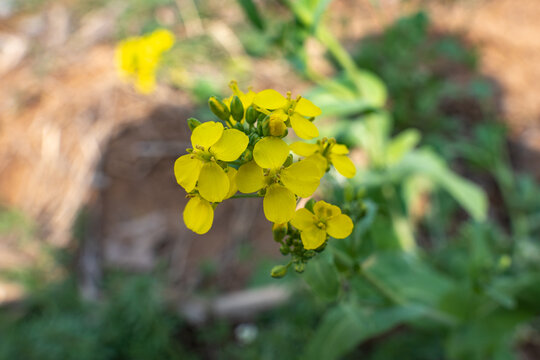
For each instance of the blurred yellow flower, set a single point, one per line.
(281, 182)
(294, 111)
(137, 58)
(327, 152)
(211, 143)
(325, 219)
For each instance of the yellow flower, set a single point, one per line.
(327, 152)
(137, 58)
(211, 143)
(281, 183)
(325, 219)
(292, 111)
(198, 215)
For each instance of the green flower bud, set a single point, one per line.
(279, 230)
(219, 108)
(237, 109)
(193, 123)
(251, 115)
(289, 161)
(266, 126)
(284, 250)
(299, 267)
(279, 271)
(309, 205)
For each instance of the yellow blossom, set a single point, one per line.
(137, 58)
(282, 183)
(198, 215)
(293, 112)
(325, 219)
(326, 152)
(211, 143)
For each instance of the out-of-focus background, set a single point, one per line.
(95, 261)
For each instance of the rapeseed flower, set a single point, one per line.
(138, 58)
(326, 219)
(289, 112)
(327, 152)
(203, 167)
(269, 171)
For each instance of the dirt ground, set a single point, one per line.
(72, 136)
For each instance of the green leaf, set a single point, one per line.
(323, 279)
(400, 145)
(372, 89)
(347, 325)
(469, 195)
(252, 13)
(406, 278)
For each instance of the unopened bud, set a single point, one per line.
(284, 250)
(279, 271)
(299, 267)
(251, 115)
(289, 161)
(237, 109)
(219, 108)
(309, 205)
(279, 230)
(276, 126)
(193, 123)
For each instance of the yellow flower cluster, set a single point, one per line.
(245, 152)
(137, 58)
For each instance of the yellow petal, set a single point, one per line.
(325, 211)
(313, 237)
(213, 182)
(339, 149)
(303, 128)
(303, 219)
(206, 134)
(186, 171)
(270, 152)
(270, 99)
(307, 108)
(343, 165)
(233, 188)
(304, 149)
(279, 204)
(230, 146)
(302, 178)
(247, 98)
(198, 215)
(250, 178)
(320, 161)
(339, 226)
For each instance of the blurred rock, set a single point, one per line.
(13, 48)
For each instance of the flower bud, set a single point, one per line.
(299, 267)
(289, 161)
(276, 126)
(193, 123)
(284, 250)
(279, 230)
(279, 271)
(309, 205)
(237, 109)
(251, 115)
(219, 108)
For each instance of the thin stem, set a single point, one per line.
(239, 196)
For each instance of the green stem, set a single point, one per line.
(240, 196)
